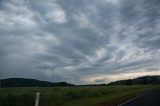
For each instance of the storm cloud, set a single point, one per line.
(79, 41)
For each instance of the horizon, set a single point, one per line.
(84, 84)
(79, 41)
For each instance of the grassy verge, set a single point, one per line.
(71, 96)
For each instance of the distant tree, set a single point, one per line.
(129, 82)
(145, 80)
(154, 80)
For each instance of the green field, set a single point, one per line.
(71, 96)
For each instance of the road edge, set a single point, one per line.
(135, 97)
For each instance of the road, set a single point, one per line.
(151, 98)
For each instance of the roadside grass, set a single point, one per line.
(71, 96)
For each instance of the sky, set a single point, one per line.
(79, 41)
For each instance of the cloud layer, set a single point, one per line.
(79, 41)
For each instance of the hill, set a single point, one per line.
(22, 82)
(138, 81)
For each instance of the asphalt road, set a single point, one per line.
(151, 98)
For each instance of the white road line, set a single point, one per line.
(134, 98)
(37, 99)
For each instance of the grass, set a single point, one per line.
(71, 96)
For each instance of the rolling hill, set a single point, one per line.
(138, 81)
(22, 82)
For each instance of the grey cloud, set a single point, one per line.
(101, 81)
(59, 40)
(152, 69)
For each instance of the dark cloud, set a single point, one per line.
(152, 69)
(79, 40)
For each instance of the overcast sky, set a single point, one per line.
(79, 41)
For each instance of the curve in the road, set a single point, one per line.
(151, 98)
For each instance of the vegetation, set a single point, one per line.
(71, 96)
(138, 81)
(22, 82)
